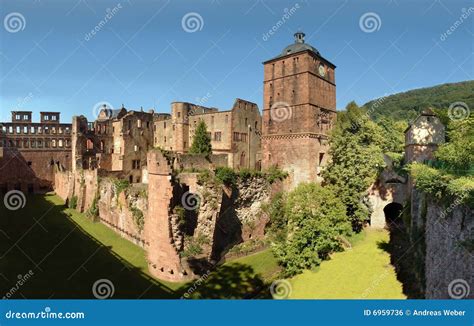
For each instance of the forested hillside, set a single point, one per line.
(407, 105)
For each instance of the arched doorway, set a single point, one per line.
(393, 213)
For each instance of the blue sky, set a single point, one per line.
(142, 56)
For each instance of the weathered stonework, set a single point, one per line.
(298, 112)
(33, 151)
(162, 249)
(448, 257)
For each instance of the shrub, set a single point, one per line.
(275, 174)
(73, 202)
(226, 175)
(193, 245)
(315, 222)
(138, 217)
(120, 185)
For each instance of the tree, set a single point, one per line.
(314, 225)
(201, 141)
(458, 152)
(356, 160)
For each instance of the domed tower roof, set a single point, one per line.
(298, 46)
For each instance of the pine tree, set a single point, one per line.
(201, 141)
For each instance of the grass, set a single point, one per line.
(68, 253)
(363, 272)
(127, 250)
(263, 263)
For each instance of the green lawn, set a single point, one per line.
(128, 251)
(361, 272)
(68, 253)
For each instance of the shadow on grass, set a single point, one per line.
(230, 281)
(65, 262)
(402, 257)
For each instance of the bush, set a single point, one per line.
(193, 245)
(315, 220)
(120, 185)
(226, 175)
(138, 217)
(73, 202)
(277, 227)
(275, 174)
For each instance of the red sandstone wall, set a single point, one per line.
(26, 168)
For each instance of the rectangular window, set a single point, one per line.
(25, 130)
(236, 136)
(25, 117)
(243, 137)
(217, 136)
(136, 164)
(32, 129)
(46, 118)
(53, 117)
(139, 123)
(17, 117)
(60, 143)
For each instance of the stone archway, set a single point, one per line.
(392, 212)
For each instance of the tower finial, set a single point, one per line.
(299, 37)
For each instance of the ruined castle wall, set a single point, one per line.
(199, 162)
(64, 184)
(162, 248)
(123, 212)
(85, 187)
(32, 170)
(241, 217)
(448, 259)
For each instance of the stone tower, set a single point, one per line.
(423, 137)
(299, 110)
